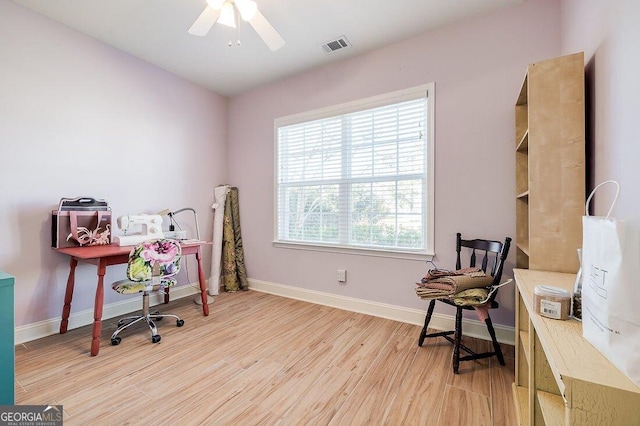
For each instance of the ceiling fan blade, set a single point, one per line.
(268, 34)
(204, 22)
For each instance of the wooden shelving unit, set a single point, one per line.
(560, 379)
(550, 164)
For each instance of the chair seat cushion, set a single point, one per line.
(132, 287)
(450, 301)
(471, 297)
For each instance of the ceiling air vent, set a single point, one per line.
(337, 44)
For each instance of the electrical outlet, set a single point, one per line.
(342, 276)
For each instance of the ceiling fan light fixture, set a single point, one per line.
(247, 9)
(227, 17)
(215, 4)
(222, 11)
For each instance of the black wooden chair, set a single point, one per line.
(495, 254)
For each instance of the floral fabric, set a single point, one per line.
(152, 265)
(162, 255)
(131, 287)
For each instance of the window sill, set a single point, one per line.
(405, 255)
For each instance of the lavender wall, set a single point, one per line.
(478, 67)
(80, 118)
(608, 33)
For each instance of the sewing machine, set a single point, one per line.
(151, 228)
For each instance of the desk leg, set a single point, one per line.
(203, 287)
(97, 309)
(68, 295)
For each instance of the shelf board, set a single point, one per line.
(523, 195)
(524, 339)
(552, 407)
(523, 246)
(523, 145)
(522, 96)
(521, 400)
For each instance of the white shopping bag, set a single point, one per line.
(611, 287)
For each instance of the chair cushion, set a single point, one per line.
(471, 297)
(132, 287)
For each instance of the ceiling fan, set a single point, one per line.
(223, 12)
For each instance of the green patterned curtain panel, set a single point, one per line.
(234, 273)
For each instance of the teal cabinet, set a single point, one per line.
(7, 347)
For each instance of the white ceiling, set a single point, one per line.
(156, 31)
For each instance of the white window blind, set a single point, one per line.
(357, 179)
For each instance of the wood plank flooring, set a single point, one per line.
(260, 359)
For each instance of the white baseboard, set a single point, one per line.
(474, 328)
(471, 327)
(48, 327)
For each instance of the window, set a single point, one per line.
(358, 176)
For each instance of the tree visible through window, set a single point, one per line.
(360, 178)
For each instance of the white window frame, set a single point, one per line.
(427, 90)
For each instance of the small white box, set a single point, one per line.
(176, 235)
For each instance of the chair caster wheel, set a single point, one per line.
(156, 318)
(155, 339)
(115, 341)
(180, 323)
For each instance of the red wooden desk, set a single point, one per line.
(103, 256)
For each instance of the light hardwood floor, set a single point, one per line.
(260, 359)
